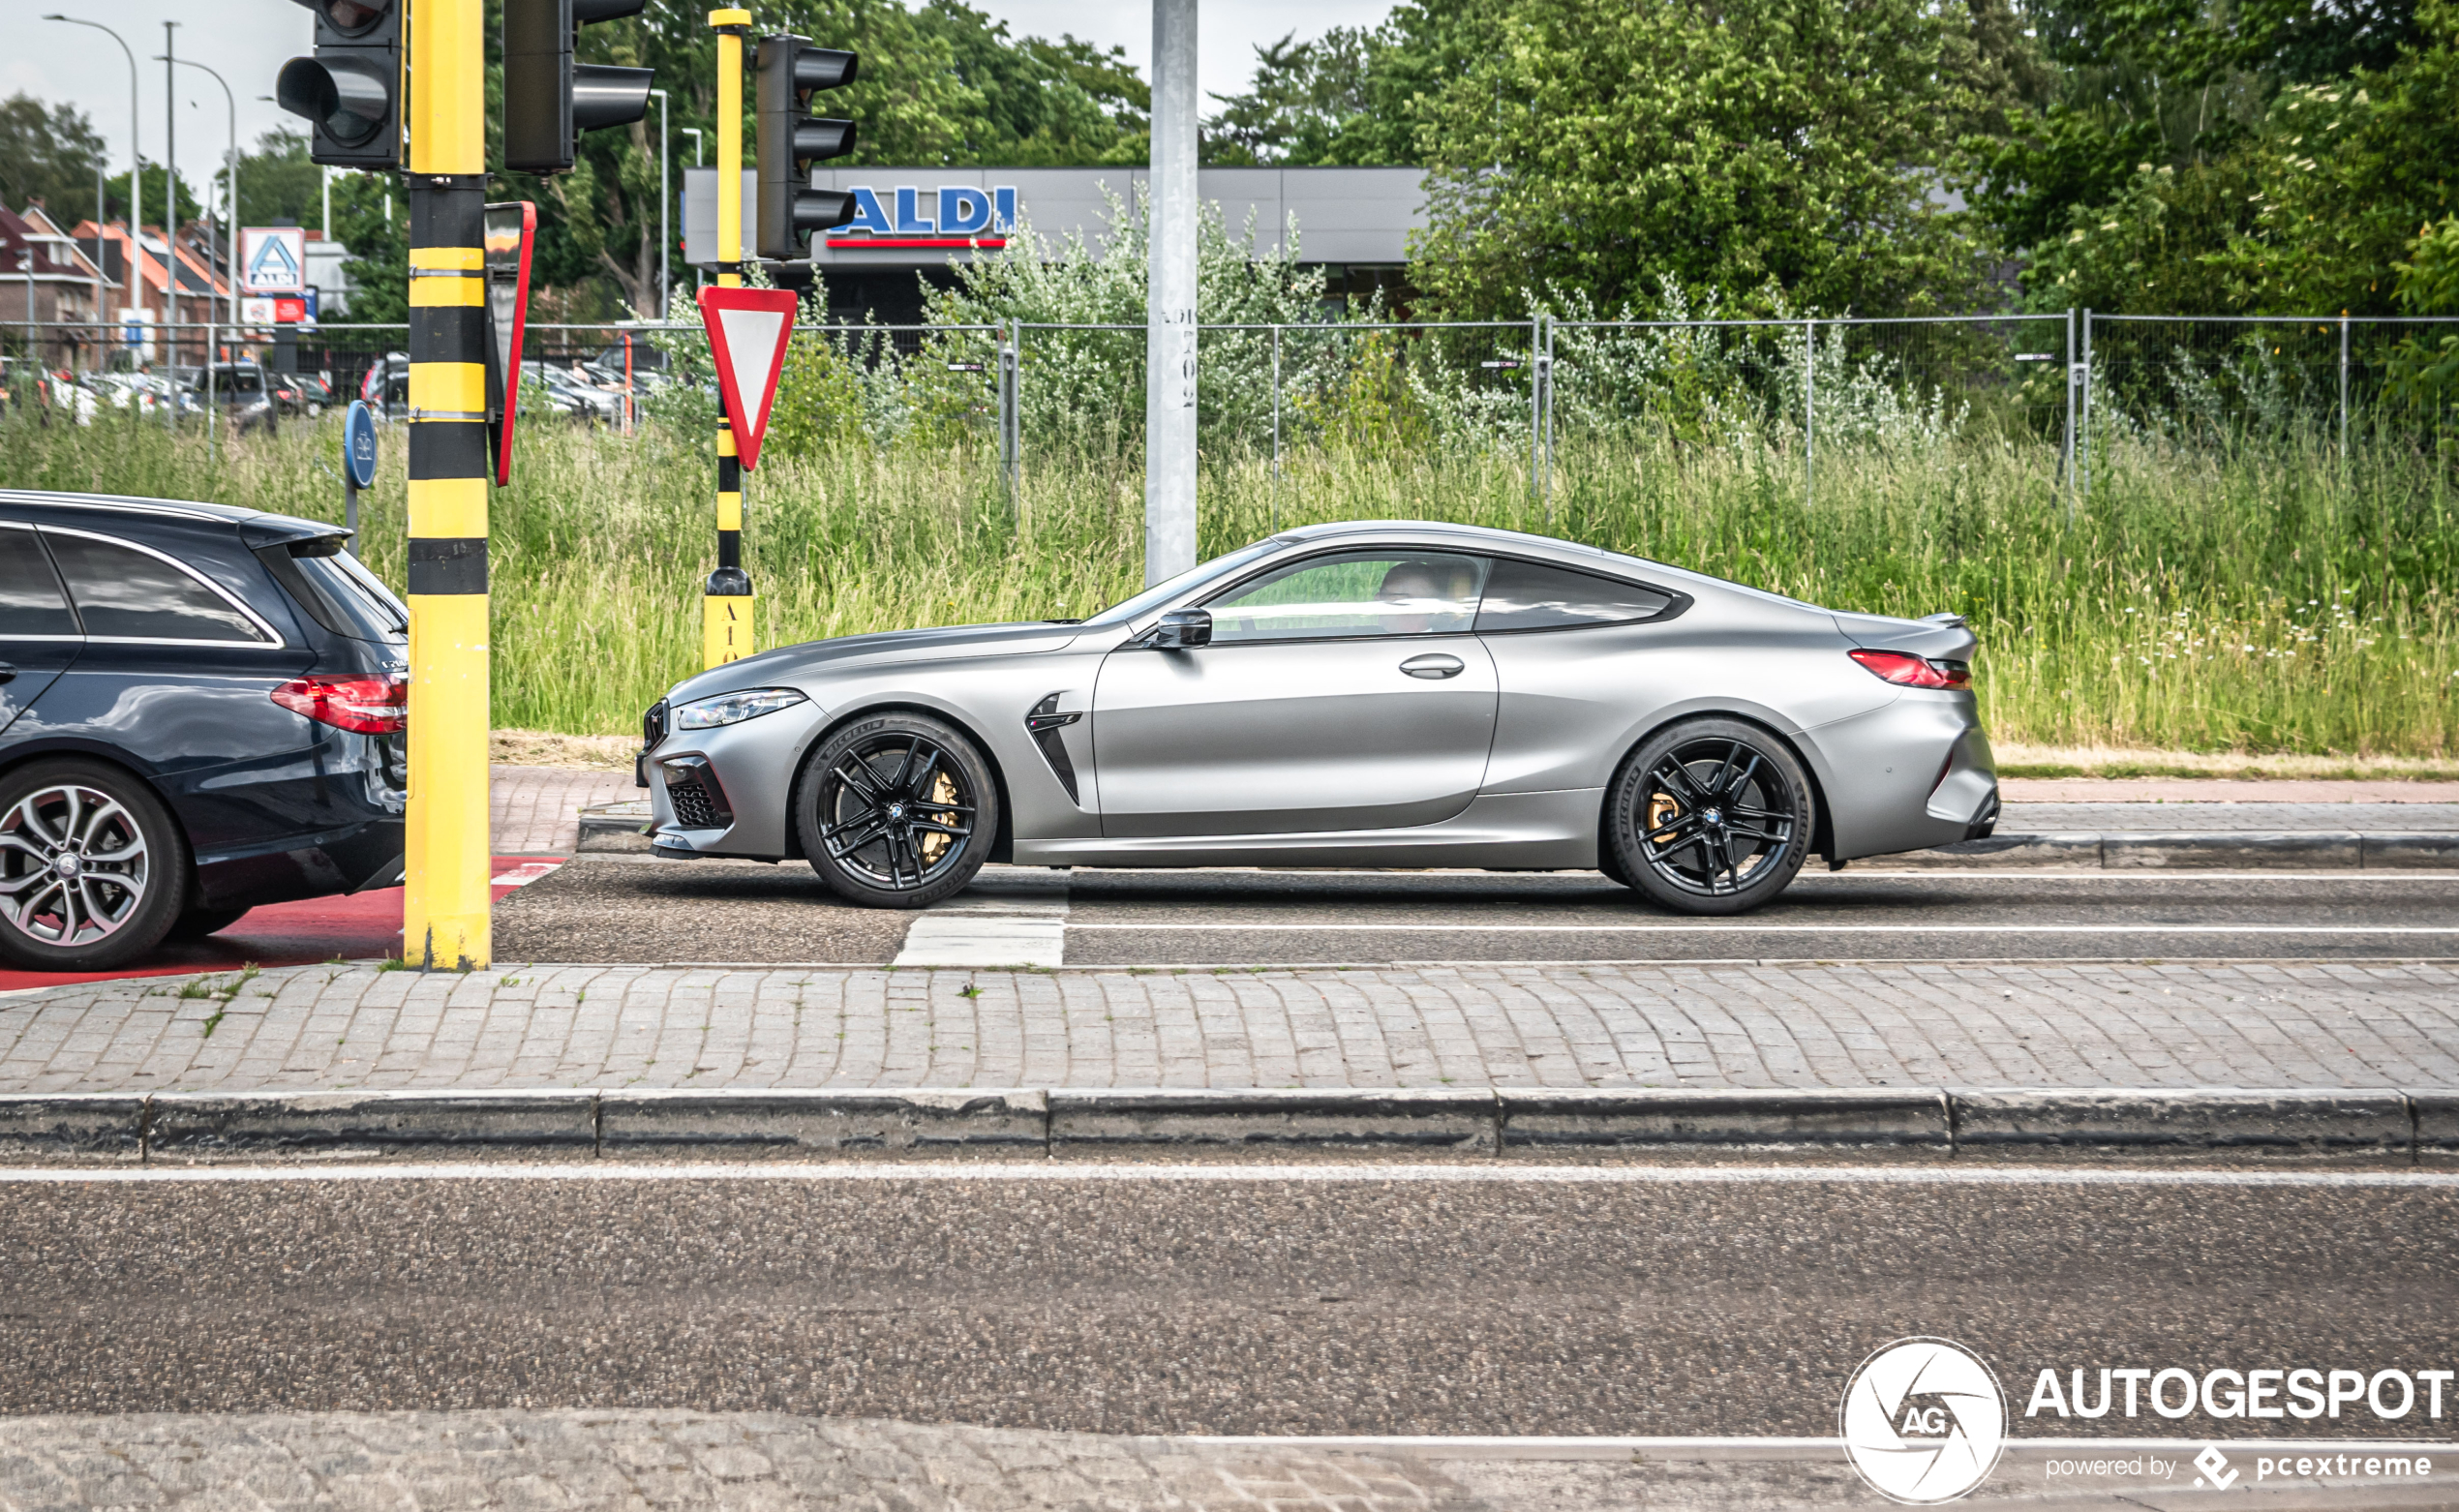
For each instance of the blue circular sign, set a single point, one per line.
(358, 443)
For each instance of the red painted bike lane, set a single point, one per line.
(359, 928)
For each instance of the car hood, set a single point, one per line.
(799, 665)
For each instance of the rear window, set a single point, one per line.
(322, 581)
(31, 602)
(1523, 596)
(124, 593)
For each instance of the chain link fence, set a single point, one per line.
(2079, 382)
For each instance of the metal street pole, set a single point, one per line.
(445, 906)
(171, 214)
(229, 185)
(1169, 314)
(728, 630)
(135, 163)
(665, 210)
(698, 141)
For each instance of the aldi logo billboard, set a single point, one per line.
(954, 214)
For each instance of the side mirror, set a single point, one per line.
(1183, 629)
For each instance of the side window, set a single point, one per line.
(1357, 593)
(125, 594)
(1522, 595)
(31, 602)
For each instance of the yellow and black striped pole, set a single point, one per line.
(726, 628)
(445, 902)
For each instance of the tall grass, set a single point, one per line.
(2241, 599)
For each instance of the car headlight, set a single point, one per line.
(708, 713)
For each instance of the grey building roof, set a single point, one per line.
(1341, 215)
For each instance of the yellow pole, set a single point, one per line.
(727, 630)
(445, 902)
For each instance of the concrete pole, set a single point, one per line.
(1170, 332)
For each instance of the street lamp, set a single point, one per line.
(229, 184)
(136, 162)
(665, 209)
(693, 132)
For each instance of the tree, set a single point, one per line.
(50, 152)
(277, 182)
(1602, 149)
(1352, 96)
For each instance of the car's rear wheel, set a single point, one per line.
(93, 869)
(1710, 816)
(897, 811)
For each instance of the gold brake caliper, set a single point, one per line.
(934, 845)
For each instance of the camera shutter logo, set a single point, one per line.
(1923, 1421)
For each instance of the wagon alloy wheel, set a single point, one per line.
(1715, 817)
(76, 866)
(894, 813)
(92, 870)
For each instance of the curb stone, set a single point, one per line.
(2230, 850)
(2040, 1124)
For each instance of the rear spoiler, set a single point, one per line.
(303, 537)
(1939, 637)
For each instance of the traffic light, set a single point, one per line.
(790, 69)
(547, 99)
(351, 89)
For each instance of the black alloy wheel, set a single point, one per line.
(897, 811)
(1712, 816)
(93, 869)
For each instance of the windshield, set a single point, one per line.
(1160, 594)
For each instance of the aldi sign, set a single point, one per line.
(953, 215)
(272, 260)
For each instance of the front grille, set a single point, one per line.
(652, 724)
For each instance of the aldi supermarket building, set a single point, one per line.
(1351, 222)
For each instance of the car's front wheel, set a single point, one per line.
(897, 811)
(93, 868)
(1710, 816)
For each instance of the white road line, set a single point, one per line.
(1742, 1446)
(1333, 1175)
(988, 930)
(1464, 927)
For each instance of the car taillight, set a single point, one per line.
(364, 703)
(1909, 670)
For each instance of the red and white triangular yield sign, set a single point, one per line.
(747, 330)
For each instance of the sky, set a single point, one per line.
(248, 40)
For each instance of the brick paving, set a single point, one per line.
(2247, 1024)
(536, 810)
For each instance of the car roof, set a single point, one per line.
(1490, 538)
(256, 527)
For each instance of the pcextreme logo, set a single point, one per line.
(1923, 1421)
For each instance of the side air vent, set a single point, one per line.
(1044, 724)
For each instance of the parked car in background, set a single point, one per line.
(142, 392)
(386, 386)
(201, 709)
(299, 393)
(574, 396)
(239, 390)
(648, 364)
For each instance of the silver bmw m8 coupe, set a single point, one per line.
(1388, 694)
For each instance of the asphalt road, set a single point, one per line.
(624, 909)
(1155, 1303)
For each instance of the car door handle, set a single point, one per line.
(1433, 664)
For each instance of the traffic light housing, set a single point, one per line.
(790, 71)
(350, 90)
(547, 99)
